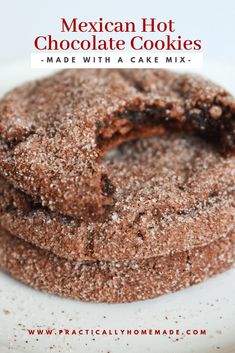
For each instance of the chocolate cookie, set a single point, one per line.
(54, 132)
(109, 281)
(173, 194)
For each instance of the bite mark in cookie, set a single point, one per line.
(54, 132)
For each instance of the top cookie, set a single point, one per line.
(54, 132)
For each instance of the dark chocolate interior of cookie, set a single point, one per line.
(54, 132)
(214, 124)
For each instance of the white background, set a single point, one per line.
(210, 20)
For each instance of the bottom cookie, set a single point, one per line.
(113, 282)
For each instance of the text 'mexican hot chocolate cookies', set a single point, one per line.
(117, 185)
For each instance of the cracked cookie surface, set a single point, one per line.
(54, 132)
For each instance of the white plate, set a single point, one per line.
(209, 306)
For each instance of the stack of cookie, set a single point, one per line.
(117, 185)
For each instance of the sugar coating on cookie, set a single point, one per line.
(54, 132)
(113, 282)
(173, 193)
